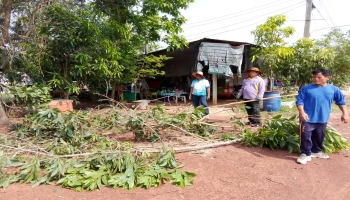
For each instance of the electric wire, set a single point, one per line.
(331, 27)
(312, 18)
(194, 39)
(268, 14)
(236, 15)
(246, 21)
(331, 8)
(323, 17)
(324, 8)
(229, 14)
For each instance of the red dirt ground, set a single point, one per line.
(231, 172)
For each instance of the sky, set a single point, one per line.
(234, 20)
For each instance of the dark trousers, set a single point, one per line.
(312, 136)
(253, 110)
(198, 100)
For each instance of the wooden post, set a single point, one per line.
(215, 89)
(308, 19)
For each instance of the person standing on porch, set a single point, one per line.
(314, 104)
(200, 91)
(253, 88)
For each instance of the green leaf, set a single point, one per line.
(94, 174)
(277, 117)
(62, 180)
(6, 182)
(292, 118)
(290, 148)
(104, 180)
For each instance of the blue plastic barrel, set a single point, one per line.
(273, 104)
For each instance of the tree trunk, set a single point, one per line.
(120, 91)
(3, 118)
(114, 84)
(65, 76)
(7, 8)
(271, 81)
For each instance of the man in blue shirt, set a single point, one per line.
(200, 91)
(314, 104)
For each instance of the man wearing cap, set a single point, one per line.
(253, 88)
(200, 91)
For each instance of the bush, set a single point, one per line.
(31, 96)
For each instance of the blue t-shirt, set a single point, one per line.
(200, 87)
(317, 101)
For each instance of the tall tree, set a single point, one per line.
(17, 20)
(102, 41)
(296, 69)
(271, 47)
(140, 23)
(339, 42)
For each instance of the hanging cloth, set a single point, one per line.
(219, 57)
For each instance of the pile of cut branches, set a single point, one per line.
(51, 147)
(280, 132)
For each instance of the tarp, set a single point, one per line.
(219, 57)
(185, 61)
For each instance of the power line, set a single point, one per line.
(324, 8)
(331, 27)
(322, 17)
(234, 15)
(246, 25)
(331, 8)
(229, 14)
(305, 20)
(312, 17)
(268, 14)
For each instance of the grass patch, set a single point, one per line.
(288, 99)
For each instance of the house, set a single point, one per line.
(222, 62)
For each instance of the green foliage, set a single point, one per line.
(142, 129)
(31, 97)
(334, 142)
(148, 19)
(64, 148)
(44, 122)
(99, 43)
(338, 43)
(271, 33)
(281, 132)
(297, 69)
(229, 136)
(31, 171)
(191, 122)
(271, 48)
(69, 152)
(121, 169)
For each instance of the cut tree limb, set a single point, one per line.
(197, 148)
(3, 118)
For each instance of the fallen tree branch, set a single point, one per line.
(176, 150)
(196, 148)
(25, 150)
(183, 130)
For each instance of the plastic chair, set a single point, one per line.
(178, 96)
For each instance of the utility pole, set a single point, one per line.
(307, 18)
